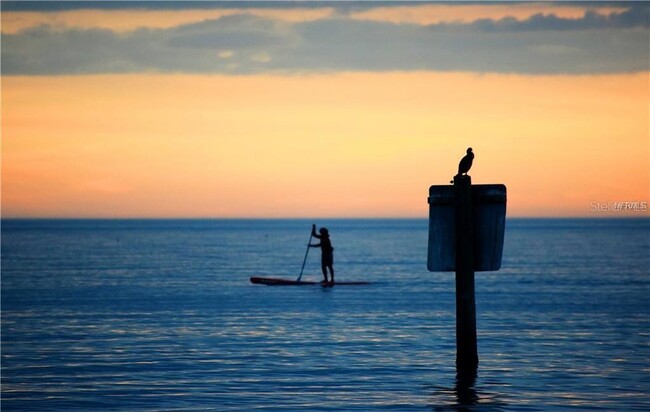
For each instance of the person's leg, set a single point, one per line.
(324, 269)
(331, 273)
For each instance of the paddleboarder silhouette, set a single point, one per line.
(327, 251)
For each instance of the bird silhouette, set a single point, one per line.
(465, 163)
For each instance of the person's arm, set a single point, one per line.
(313, 232)
(316, 245)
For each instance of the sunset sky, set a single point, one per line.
(318, 109)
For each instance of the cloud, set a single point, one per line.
(635, 16)
(53, 6)
(233, 32)
(542, 44)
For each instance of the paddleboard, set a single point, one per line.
(288, 282)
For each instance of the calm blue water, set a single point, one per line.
(160, 315)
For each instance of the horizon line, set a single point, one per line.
(601, 216)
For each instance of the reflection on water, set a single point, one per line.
(465, 391)
(465, 396)
(166, 319)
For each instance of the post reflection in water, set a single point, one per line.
(464, 396)
(465, 388)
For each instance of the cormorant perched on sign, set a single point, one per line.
(465, 163)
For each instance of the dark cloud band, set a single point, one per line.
(245, 44)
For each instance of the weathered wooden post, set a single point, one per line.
(466, 230)
(466, 347)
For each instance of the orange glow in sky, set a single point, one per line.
(432, 13)
(339, 109)
(336, 145)
(125, 20)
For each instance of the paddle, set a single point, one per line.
(305, 259)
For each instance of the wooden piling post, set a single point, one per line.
(466, 346)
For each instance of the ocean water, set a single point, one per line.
(160, 315)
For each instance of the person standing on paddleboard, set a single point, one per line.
(327, 251)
